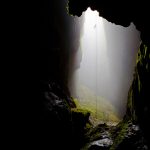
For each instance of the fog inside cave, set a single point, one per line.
(106, 59)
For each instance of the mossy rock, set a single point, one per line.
(119, 134)
(95, 132)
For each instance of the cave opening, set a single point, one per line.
(105, 62)
(79, 64)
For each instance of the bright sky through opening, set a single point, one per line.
(108, 54)
(93, 47)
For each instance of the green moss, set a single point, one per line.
(93, 134)
(75, 101)
(67, 9)
(131, 114)
(100, 108)
(142, 54)
(145, 50)
(142, 65)
(120, 135)
(129, 103)
(88, 126)
(84, 112)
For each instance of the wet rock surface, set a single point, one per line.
(121, 137)
(101, 144)
(99, 137)
(132, 138)
(128, 135)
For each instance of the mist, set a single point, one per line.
(106, 59)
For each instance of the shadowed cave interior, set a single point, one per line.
(77, 65)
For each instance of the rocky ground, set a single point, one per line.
(62, 122)
(125, 135)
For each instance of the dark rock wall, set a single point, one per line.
(138, 106)
(118, 12)
(55, 119)
(59, 41)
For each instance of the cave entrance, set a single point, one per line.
(107, 56)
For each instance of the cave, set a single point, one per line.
(104, 66)
(61, 125)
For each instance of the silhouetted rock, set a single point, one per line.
(61, 121)
(55, 116)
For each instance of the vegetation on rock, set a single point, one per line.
(102, 111)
